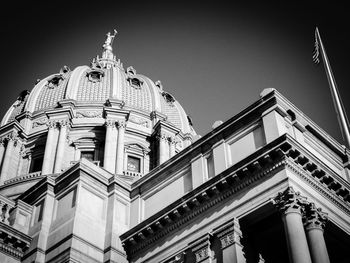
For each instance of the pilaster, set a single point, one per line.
(121, 124)
(230, 236)
(63, 125)
(49, 154)
(110, 151)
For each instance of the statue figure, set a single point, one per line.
(110, 38)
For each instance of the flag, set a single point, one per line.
(316, 53)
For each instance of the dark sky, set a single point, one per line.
(214, 57)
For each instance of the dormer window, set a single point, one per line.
(55, 81)
(135, 82)
(168, 98)
(95, 75)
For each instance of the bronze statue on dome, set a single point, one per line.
(110, 38)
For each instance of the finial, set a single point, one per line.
(109, 40)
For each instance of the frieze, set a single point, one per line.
(139, 121)
(39, 122)
(88, 114)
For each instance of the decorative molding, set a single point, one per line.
(88, 114)
(272, 158)
(139, 121)
(39, 122)
(110, 123)
(51, 124)
(226, 186)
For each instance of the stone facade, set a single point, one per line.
(100, 164)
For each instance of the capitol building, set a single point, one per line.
(100, 164)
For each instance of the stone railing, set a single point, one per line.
(133, 174)
(5, 206)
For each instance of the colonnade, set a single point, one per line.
(304, 226)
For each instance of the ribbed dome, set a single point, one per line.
(105, 79)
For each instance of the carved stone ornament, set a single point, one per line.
(289, 201)
(51, 124)
(110, 123)
(162, 136)
(39, 122)
(229, 234)
(314, 217)
(121, 124)
(139, 121)
(64, 123)
(88, 114)
(202, 249)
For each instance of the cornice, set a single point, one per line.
(284, 152)
(214, 191)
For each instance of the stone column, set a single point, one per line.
(172, 141)
(163, 147)
(314, 222)
(230, 236)
(120, 147)
(61, 145)
(49, 148)
(2, 149)
(11, 143)
(110, 146)
(290, 204)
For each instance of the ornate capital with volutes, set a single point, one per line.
(121, 124)
(172, 140)
(289, 201)
(51, 124)
(64, 123)
(2, 142)
(110, 123)
(162, 136)
(314, 217)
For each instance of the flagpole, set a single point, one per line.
(336, 97)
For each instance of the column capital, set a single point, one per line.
(172, 140)
(314, 217)
(2, 142)
(121, 124)
(162, 136)
(51, 124)
(289, 201)
(229, 233)
(201, 248)
(110, 123)
(64, 123)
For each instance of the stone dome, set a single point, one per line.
(105, 80)
(114, 117)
